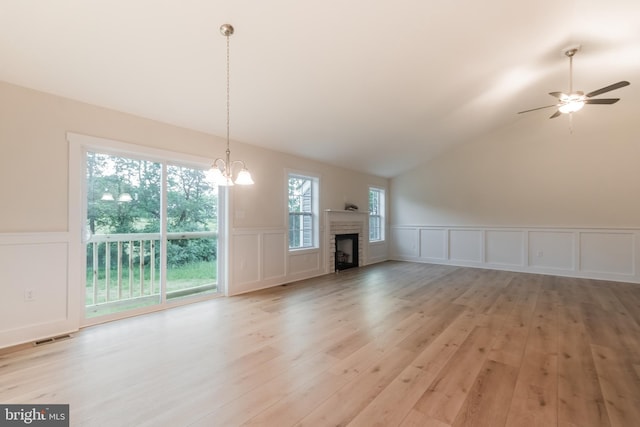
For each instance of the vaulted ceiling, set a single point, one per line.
(372, 85)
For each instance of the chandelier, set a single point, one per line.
(223, 168)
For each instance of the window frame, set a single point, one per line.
(380, 215)
(314, 213)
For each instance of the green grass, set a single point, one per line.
(195, 273)
(189, 278)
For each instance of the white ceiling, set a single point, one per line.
(372, 85)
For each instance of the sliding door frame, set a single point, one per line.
(79, 145)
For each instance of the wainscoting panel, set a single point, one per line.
(245, 259)
(552, 250)
(433, 244)
(378, 252)
(608, 254)
(602, 252)
(274, 246)
(465, 246)
(504, 247)
(38, 269)
(35, 298)
(260, 258)
(304, 261)
(405, 242)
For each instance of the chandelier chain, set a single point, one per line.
(228, 92)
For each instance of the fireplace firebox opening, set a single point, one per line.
(346, 251)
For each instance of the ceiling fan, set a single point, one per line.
(573, 101)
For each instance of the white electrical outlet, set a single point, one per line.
(29, 295)
(540, 254)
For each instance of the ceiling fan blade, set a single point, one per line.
(602, 101)
(608, 88)
(539, 108)
(560, 95)
(556, 114)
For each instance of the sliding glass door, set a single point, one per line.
(192, 233)
(151, 234)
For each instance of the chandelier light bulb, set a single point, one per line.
(244, 178)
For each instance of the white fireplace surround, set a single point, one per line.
(345, 222)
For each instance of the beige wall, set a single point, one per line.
(34, 162)
(533, 173)
(34, 152)
(263, 204)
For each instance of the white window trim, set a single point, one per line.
(383, 216)
(315, 204)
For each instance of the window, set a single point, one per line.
(376, 214)
(303, 211)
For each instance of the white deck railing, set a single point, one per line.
(135, 251)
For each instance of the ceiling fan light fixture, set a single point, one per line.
(571, 103)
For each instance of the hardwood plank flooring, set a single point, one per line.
(392, 344)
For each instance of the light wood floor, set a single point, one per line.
(390, 344)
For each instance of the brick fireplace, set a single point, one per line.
(345, 222)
